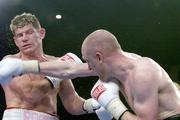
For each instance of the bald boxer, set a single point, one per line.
(33, 96)
(147, 87)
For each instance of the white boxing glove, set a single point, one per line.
(10, 67)
(107, 94)
(90, 105)
(70, 57)
(103, 114)
(13, 67)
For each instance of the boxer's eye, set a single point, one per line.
(19, 35)
(29, 32)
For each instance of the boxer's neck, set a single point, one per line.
(40, 57)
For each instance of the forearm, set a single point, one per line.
(65, 70)
(76, 107)
(127, 115)
(60, 69)
(130, 116)
(67, 67)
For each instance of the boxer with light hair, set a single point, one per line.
(146, 86)
(33, 96)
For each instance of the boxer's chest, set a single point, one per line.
(29, 83)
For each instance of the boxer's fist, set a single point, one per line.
(107, 94)
(103, 114)
(10, 67)
(90, 105)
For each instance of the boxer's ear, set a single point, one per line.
(99, 57)
(42, 33)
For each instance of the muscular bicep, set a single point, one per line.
(146, 97)
(147, 107)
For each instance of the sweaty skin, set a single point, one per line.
(33, 91)
(147, 87)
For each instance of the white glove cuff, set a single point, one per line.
(116, 108)
(103, 114)
(31, 66)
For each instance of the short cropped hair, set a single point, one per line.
(22, 20)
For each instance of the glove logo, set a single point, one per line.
(98, 91)
(67, 58)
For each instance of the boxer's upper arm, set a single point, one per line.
(146, 95)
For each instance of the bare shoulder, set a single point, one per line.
(147, 74)
(147, 68)
(50, 57)
(148, 63)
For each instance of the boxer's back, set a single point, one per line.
(168, 95)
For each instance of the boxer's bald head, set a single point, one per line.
(100, 41)
(98, 46)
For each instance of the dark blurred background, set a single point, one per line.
(147, 27)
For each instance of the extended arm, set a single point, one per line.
(65, 70)
(10, 67)
(68, 66)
